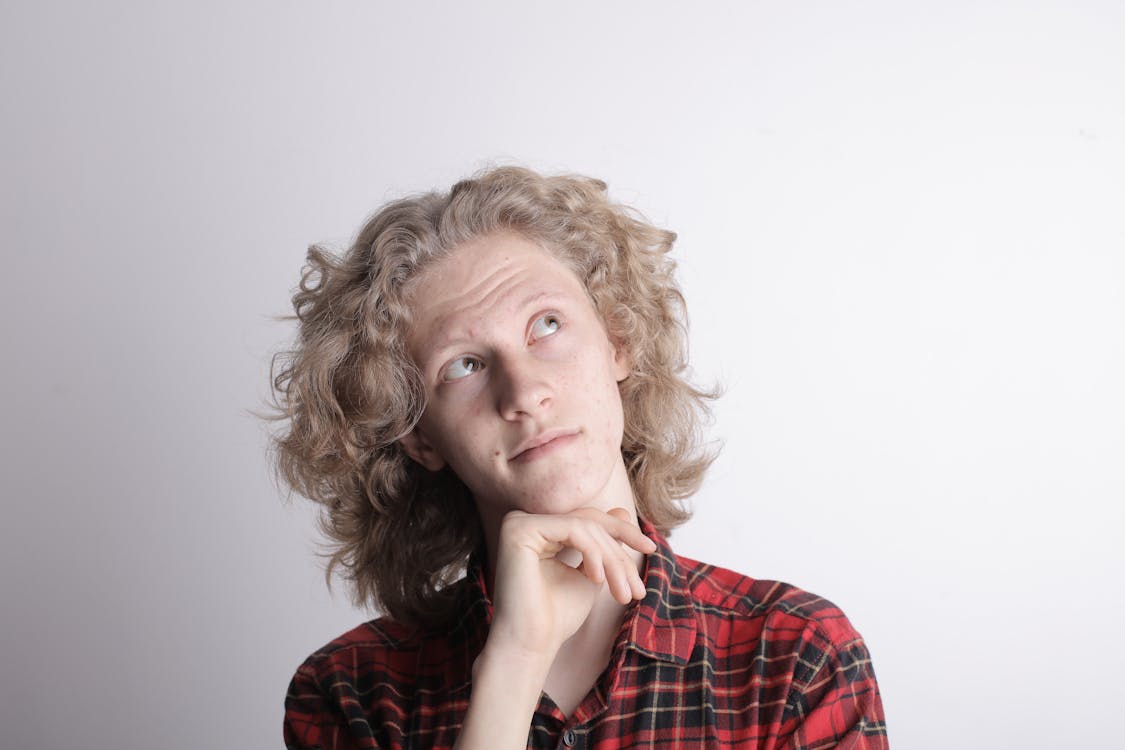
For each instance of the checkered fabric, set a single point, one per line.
(708, 659)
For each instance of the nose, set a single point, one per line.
(521, 388)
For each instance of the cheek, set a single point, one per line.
(462, 437)
(608, 404)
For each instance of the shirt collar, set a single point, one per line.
(661, 626)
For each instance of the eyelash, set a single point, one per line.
(549, 317)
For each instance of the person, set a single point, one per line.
(488, 397)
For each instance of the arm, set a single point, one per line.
(838, 705)
(539, 603)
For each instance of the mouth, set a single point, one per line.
(542, 443)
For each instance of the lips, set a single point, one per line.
(541, 443)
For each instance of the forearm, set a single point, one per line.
(506, 688)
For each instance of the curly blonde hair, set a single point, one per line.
(347, 390)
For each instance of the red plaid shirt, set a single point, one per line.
(709, 658)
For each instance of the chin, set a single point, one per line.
(579, 485)
(563, 498)
(552, 505)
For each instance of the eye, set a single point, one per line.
(544, 326)
(462, 367)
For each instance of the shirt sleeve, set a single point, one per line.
(315, 720)
(834, 702)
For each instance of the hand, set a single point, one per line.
(540, 601)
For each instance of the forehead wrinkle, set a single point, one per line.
(493, 294)
(488, 294)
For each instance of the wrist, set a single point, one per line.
(521, 640)
(512, 661)
(507, 684)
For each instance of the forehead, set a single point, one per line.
(485, 280)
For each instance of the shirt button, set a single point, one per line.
(569, 738)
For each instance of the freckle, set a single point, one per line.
(497, 453)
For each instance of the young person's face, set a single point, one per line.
(521, 381)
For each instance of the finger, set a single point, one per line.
(554, 529)
(620, 514)
(598, 550)
(616, 573)
(621, 571)
(624, 579)
(634, 583)
(600, 538)
(620, 523)
(604, 559)
(638, 587)
(593, 557)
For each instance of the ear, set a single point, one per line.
(622, 362)
(415, 445)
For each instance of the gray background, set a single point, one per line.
(901, 237)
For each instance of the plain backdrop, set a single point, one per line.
(901, 236)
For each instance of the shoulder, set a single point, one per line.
(789, 648)
(386, 655)
(381, 663)
(784, 635)
(774, 615)
(377, 641)
(376, 652)
(353, 690)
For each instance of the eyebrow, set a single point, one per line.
(443, 343)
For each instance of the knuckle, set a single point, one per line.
(588, 527)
